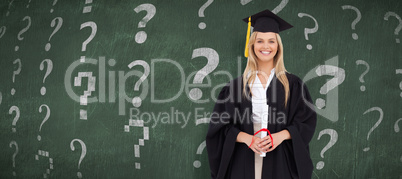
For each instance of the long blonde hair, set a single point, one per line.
(252, 66)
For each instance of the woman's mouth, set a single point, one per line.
(265, 52)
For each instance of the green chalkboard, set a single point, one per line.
(124, 89)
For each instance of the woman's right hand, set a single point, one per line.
(247, 139)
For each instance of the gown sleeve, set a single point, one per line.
(222, 134)
(301, 128)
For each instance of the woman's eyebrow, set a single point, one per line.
(268, 39)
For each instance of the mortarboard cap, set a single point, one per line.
(265, 21)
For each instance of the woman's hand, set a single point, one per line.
(265, 143)
(247, 139)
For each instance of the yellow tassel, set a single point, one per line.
(248, 37)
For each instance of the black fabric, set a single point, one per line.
(233, 113)
(267, 21)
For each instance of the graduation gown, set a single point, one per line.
(233, 113)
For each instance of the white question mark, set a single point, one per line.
(1, 97)
(332, 141)
(2, 31)
(52, 24)
(16, 72)
(339, 77)
(83, 153)
(213, 61)
(54, 3)
(309, 30)
(375, 125)
(137, 100)
(399, 71)
(202, 25)
(48, 71)
(87, 8)
(362, 62)
(399, 27)
(138, 123)
(15, 154)
(9, 5)
(47, 155)
(396, 128)
(201, 147)
(359, 16)
(45, 119)
(91, 87)
(23, 31)
(28, 3)
(94, 28)
(277, 8)
(17, 116)
(141, 36)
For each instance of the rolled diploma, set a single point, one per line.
(264, 124)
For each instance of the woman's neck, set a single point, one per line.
(266, 67)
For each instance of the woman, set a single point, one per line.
(265, 97)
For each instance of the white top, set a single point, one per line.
(259, 102)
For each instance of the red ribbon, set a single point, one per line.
(263, 129)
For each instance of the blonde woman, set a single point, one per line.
(261, 125)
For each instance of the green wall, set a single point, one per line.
(357, 134)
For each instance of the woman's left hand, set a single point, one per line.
(278, 138)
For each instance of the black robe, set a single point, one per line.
(233, 113)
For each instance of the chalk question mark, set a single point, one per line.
(213, 61)
(141, 36)
(83, 153)
(9, 5)
(332, 141)
(16, 72)
(17, 116)
(46, 154)
(2, 31)
(48, 71)
(88, 92)
(138, 123)
(1, 97)
(396, 126)
(399, 27)
(362, 62)
(277, 8)
(339, 77)
(52, 24)
(202, 25)
(23, 31)
(13, 143)
(309, 30)
(29, 2)
(359, 16)
(201, 147)
(137, 100)
(399, 71)
(396, 129)
(87, 8)
(94, 28)
(54, 3)
(45, 119)
(375, 125)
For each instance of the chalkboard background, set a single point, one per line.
(357, 135)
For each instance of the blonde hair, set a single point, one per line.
(252, 66)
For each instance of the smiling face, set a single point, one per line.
(265, 46)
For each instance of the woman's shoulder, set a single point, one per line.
(294, 80)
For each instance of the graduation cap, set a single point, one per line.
(265, 21)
